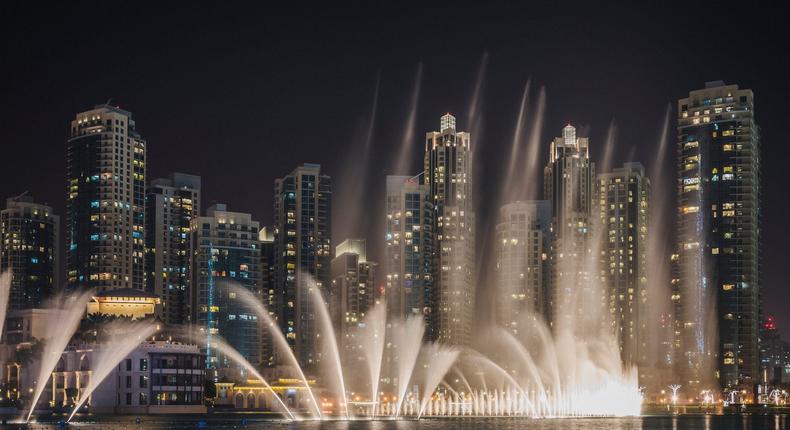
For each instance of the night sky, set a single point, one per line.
(240, 96)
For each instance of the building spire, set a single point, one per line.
(448, 122)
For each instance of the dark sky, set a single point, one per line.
(241, 96)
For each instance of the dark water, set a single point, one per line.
(240, 422)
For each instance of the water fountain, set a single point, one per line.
(329, 340)
(372, 337)
(405, 153)
(124, 338)
(273, 329)
(234, 355)
(407, 338)
(5, 292)
(439, 358)
(61, 324)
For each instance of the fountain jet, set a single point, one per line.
(373, 340)
(125, 338)
(255, 304)
(407, 337)
(405, 154)
(5, 292)
(234, 355)
(61, 324)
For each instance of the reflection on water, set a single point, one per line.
(683, 422)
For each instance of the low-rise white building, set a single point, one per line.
(157, 377)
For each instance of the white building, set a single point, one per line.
(158, 377)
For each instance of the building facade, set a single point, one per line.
(268, 294)
(622, 207)
(568, 185)
(225, 251)
(523, 235)
(29, 249)
(719, 215)
(302, 243)
(171, 205)
(157, 377)
(409, 239)
(448, 174)
(105, 200)
(353, 289)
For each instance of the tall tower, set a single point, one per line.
(353, 289)
(409, 257)
(302, 242)
(622, 205)
(448, 174)
(568, 184)
(268, 294)
(170, 206)
(523, 235)
(719, 235)
(225, 249)
(105, 216)
(29, 248)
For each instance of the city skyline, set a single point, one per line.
(548, 210)
(256, 121)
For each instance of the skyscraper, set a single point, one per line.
(268, 294)
(29, 248)
(409, 254)
(622, 205)
(523, 235)
(105, 216)
(171, 205)
(225, 250)
(719, 234)
(448, 174)
(302, 243)
(353, 288)
(568, 184)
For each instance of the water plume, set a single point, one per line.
(372, 337)
(124, 338)
(440, 358)
(407, 337)
(251, 301)
(234, 355)
(61, 323)
(329, 339)
(5, 293)
(348, 213)
(515, 174)
(474, 119)
(533, 147)
(405, 153)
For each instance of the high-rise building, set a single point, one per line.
(719, 216)
(568, 184)
(302, 243)
(774, 366)
(523, 245)
(622, 201)
(353, 289)
(171, 205)
(29, 238)
(409, 239)
(268, 294)
(105, 216)
(225, 250)
(448, 174)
